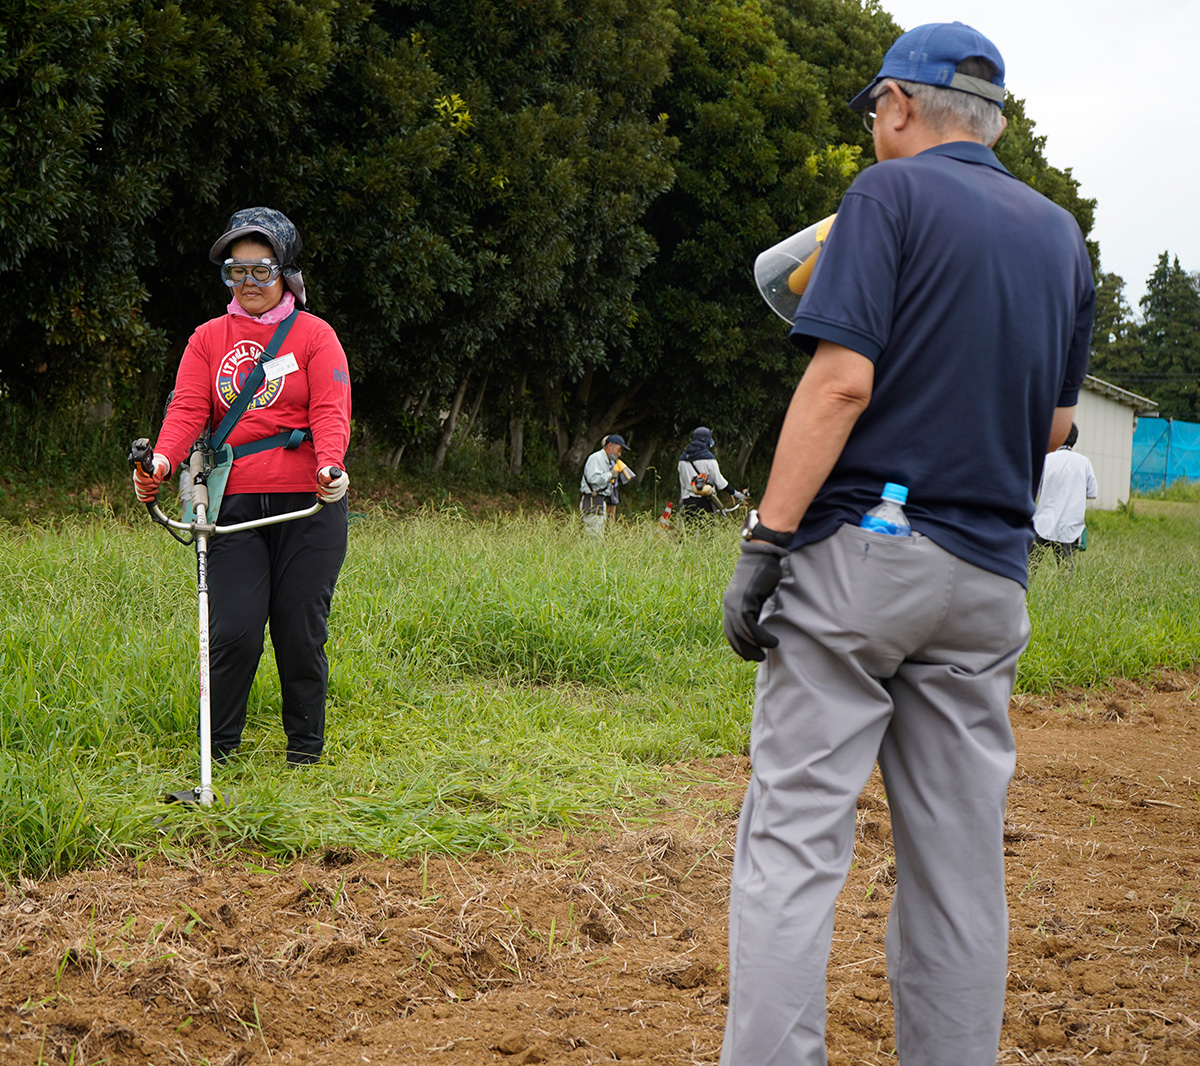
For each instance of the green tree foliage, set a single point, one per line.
(76, 182)
(320, 112)
(1169, 335)
(127, 130)
(1116, 350)
(760, 157)
(562, 159)
(518, 214)
(750, 118)
(844, 41)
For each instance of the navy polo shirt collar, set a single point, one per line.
(968, 152)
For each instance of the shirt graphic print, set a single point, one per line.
(235, 367)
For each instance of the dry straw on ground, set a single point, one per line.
(610, 945)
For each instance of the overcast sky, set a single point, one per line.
(1111, 86)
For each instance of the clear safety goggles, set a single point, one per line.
(261, 272)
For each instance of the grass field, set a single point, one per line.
(489, 678)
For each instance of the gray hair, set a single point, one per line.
(947, 109)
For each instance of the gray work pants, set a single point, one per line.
(891, 650)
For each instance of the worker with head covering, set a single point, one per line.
(700, 477)
(288, 445)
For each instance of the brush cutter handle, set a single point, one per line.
(141, 454)
(272, 520)
(332, 483)
(149, 470)
(211, 529)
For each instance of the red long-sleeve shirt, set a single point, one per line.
(315, 395)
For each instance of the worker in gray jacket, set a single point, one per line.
(600, 487)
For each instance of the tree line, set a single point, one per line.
(1157, 354)
(532, 222)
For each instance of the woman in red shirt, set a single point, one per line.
(282, 575)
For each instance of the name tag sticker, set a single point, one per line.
(277, 368)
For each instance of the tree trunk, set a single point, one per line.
(554, 404)
(743, 458)
(589, 438)
(398, 454)
(516, 426)
(516, 433)
(439, 454)
(645, 456)
(475, 407)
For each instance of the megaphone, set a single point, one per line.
(621, 471)
(782, 272)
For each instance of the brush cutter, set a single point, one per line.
(199, 530)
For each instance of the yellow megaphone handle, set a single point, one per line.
(798, 279)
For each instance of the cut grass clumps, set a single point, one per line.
(489, 679)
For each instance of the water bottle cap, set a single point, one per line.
(894, 492)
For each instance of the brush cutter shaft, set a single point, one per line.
(141, 454)
(205, 793)
(201, 530)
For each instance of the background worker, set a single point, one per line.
(282, 574)
(1068, 482)
(700, 476)
(950, 313)
(600, 486)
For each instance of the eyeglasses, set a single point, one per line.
(262, 272)
(869, 116)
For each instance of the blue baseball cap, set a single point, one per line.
(930, 54)
(614, 438)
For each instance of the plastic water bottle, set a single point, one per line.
(888, 516)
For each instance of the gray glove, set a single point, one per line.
(754, 579)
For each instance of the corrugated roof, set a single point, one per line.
(1132, 399)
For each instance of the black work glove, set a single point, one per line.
(754, 579)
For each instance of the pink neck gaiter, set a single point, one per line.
(271, 318)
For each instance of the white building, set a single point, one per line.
(1106, 416)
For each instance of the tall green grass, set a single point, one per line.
(1127, 608)
(488, 679)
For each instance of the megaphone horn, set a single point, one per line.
(783, 271)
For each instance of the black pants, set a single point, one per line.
(1063, 549)
(283, 575)
(699, 505)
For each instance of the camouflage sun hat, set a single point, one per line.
(279, 233)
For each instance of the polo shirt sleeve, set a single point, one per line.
(851, 297)
(1081, 338)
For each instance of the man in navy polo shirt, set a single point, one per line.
(949, 317)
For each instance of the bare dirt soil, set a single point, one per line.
(610, 945)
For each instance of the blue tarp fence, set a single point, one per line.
(1165, 450)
